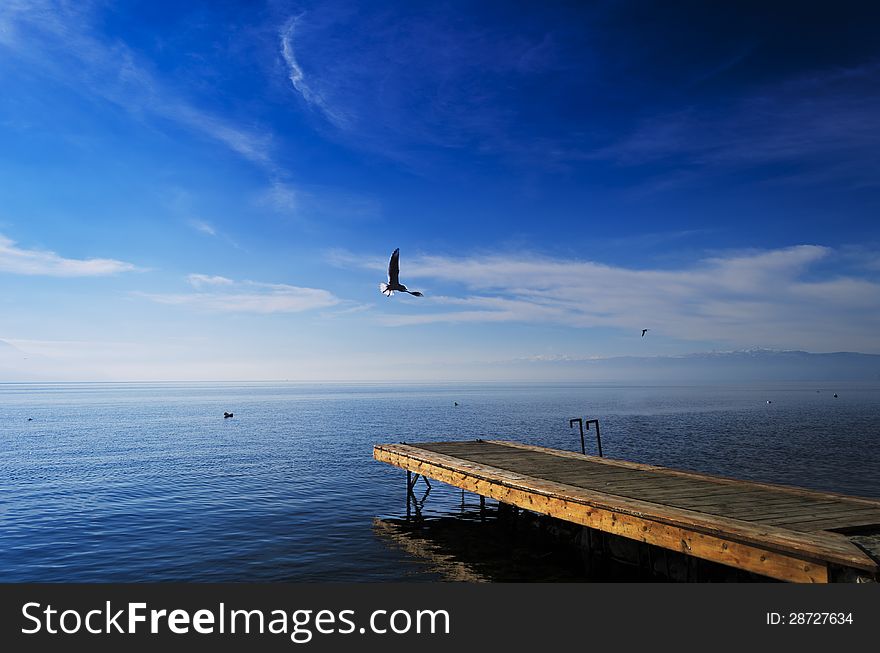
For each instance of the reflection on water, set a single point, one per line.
(411, 539)
(468, 547)
(501, 544)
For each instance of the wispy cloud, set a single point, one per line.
(55, 37)
(775, 298)
(280, 196)
(203, 227)
(220, 294)
(202, 280)
(297, 77)
(343, 258)
(17, 260)
(314, 207)
(207, 228)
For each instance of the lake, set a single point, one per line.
(122, 482)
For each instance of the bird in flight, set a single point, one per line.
(394, 278)
(644, 331)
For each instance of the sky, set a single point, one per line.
(212, 190)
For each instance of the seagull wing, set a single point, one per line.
(394, 268)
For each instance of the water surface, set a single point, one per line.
(145, 482)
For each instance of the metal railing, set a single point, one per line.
(581, 422)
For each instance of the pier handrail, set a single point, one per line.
(580, 422)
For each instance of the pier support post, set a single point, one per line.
(412, 502)
(408, 494)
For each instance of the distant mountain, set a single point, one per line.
(716, 367)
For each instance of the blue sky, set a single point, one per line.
(211, 190)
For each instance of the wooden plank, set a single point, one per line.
(792, 511)
(472, 449)
(587, 480)
(548, 463)
(839, 511)
(633, 481)
(575, 476)
(631, 489)
(747, 509)
(840, 516)
(734, 500)
(726, 509)
(833, 524)
(758, 513)
(670, 489)
(746, 502)
(721, 494)
(814, 546)
(697, 500)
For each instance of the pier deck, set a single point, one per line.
(777, 531)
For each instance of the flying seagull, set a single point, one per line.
(644, 331)
(393, 278)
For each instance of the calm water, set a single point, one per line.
(137, 482)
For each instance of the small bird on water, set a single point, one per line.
(644, 331)
(394, 278)
(227, 415)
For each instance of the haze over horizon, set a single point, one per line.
(213, 191)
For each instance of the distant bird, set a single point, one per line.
(227, 415)
(394, 278)
(835, 395)
(30, 419)
(769, 402)
(644, 331)
(456, 403)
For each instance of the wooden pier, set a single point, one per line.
(777, 531)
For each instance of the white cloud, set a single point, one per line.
(772, 298)
(16, 260)
(220, 294)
